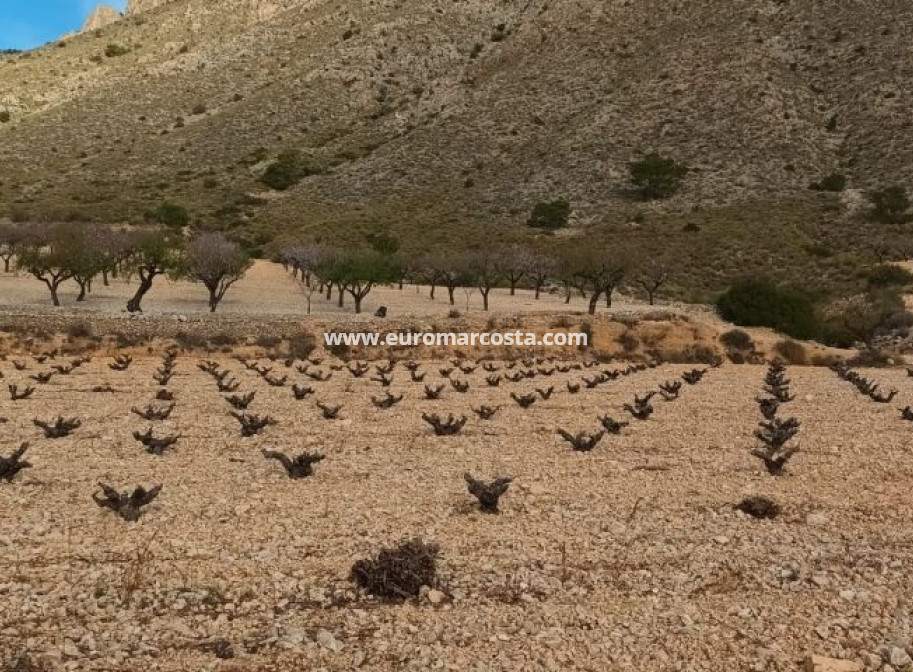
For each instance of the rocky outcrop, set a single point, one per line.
(100, 17)
(138, 6)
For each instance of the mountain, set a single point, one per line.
(447, 120)
(100, 17)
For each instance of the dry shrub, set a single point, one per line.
(696, 353)
(628, 341)
(398, 573)
(190, 340)
(268, 342)
(224, 338)
(792, 352)
(79, 330)
(872, 358)
(737, 339)
(561, 322)
(823, 359)
(301, 345)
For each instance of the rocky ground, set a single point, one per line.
(629, 557)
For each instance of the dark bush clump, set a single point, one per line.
(114, 50)
(833, 182)
(300, 346)
(889, 275)
(736, 339)
(267, 341)
(190, 340)
(398, 573)
(757, 302)
(288, 168)
(628, 341)
(550, 215)
(79, 330)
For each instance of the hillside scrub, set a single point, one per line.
(758, 302)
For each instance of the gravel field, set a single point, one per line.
(629, 557)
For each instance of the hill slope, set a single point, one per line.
(449, 120)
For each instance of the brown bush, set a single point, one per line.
(398, 573)
(792, 352)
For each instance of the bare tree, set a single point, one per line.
(599, 272)
(303, 260)
(217, 262)
(483, 267)
(541, 267)
(651, 277)
(515, 262)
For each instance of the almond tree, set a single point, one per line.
(358, 273)
(540, 268)
(651, 277)
(599, 272)
(514, 261)
(217, 263)
(484, 267)
(11, 235)
(44, 254)
(157, 252)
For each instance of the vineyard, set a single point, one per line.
(176, 512)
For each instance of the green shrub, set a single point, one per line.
(864, 317)
(114, 50)
(287, 170)
(834, 182)
(890, 205)
(199, 108)
(889, 275)
(550, 215)
(170, 214)
(657, 176)
(792, 352)
(758, 302)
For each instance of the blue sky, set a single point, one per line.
(30, 23)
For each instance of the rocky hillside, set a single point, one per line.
(450, 119)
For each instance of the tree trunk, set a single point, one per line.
(513, 287)
(82, 290)
(608, 296)
(650, 297)
(431, 295)
(340, 297)
(450, 291)
(594, 299)
(538, 289)
(145, 284)
(329, 291)
(6, 264)
(484, 293)
(357, 300)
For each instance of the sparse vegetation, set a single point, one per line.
(656, 176)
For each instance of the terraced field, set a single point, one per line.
(628, 557)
